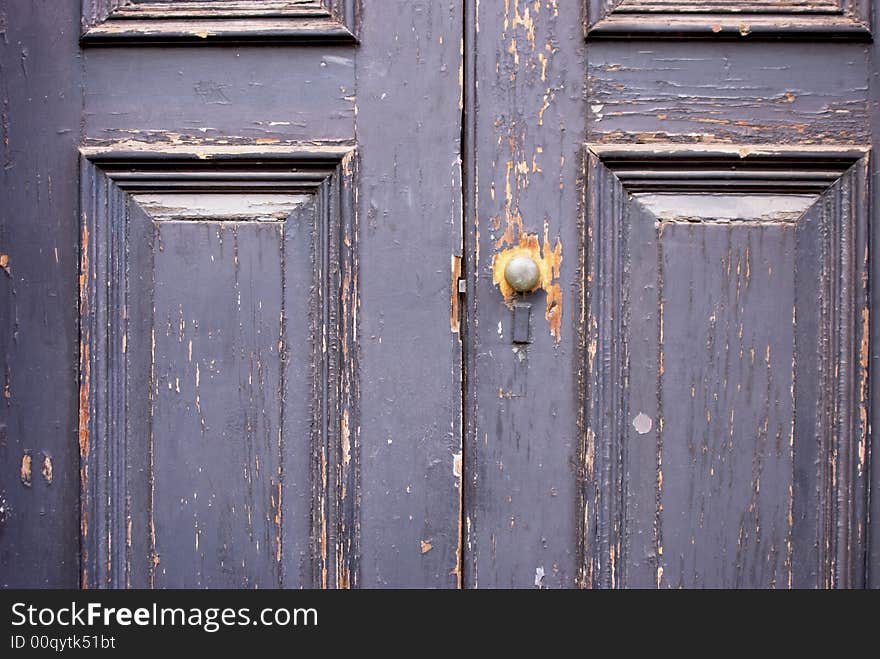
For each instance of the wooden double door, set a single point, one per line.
(259, 324)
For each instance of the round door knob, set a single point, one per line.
(522, 274)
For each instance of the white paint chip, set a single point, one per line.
(340, 61)
(643, 423)
(539, 576)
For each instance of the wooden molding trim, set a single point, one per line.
(830, 433)
(119, 21)
(118, 547)
(742, 20)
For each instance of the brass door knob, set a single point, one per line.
(522, 274)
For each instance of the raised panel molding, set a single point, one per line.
(745, 19)
(784, 500)
(125, 203)
(121, 21)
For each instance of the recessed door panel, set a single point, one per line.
(217, 416)
(728, 368)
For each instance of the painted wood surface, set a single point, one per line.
(642, 99)
(190, 146)
(258, 21)
(726, 373)
(260, 336)
(408, 133)
(741, 20)
(219, 370)
(40, 105)
(522, 444)
(872, 562)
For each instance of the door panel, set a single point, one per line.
(727, 367)
(728, 532)
(387, 510)
(409, 200)
(716, 93)
(175, 96)
(212, 407)
(269, 379)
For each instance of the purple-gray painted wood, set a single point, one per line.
(408, 531)
(217, 420)
(256, 21)
(744, 20)
(408, 133)
(428, 140)
(522, 445)
(767, 93)
(40, 102)
(181, 95)
(220, 369)
(726, 373)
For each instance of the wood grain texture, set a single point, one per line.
(742, 20)
(277, 21)
(40, 79)
(219, 432)
(724, 93)
(217, 421)
(440, 450)
(257, 97)
(728, 444)
(408, 133)
(287, 102)
(726, 421)
(527, 106)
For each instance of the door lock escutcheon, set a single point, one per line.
(523, 275)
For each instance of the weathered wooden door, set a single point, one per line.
(692, 406)
(256, 204)
(257, 323)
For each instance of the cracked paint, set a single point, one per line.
(549, 260)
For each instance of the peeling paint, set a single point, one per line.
(46, 470)
(84, 395)
(864, 357)
(642, 423)
(25, 470)
(85, 362)
(539, 576)
(346, 439)
(454, 296)
(549, 261)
